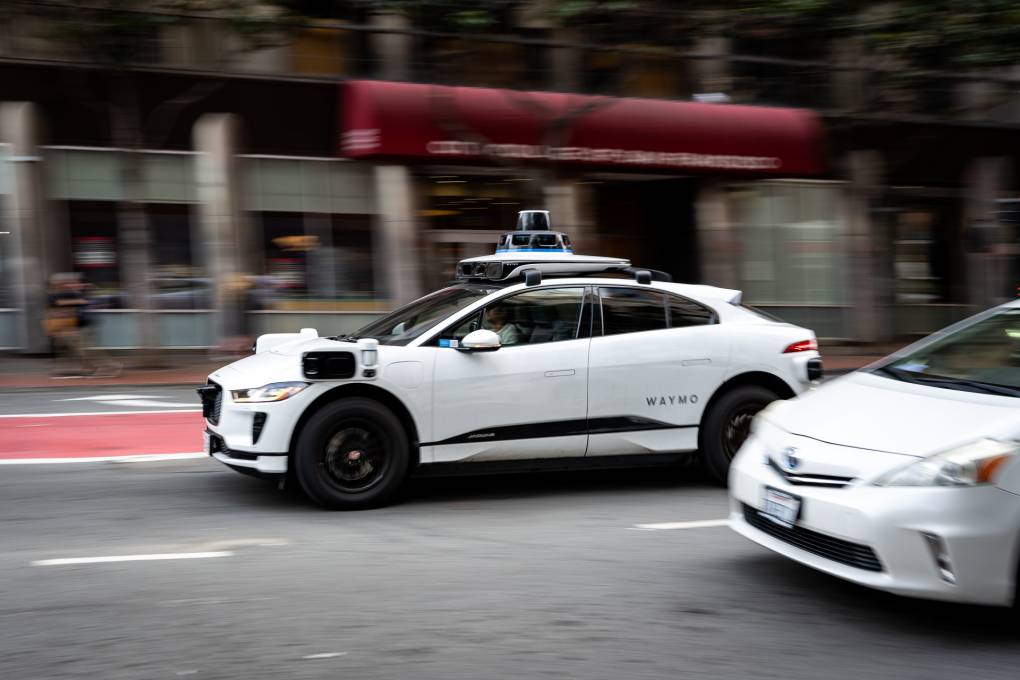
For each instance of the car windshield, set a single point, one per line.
(403, 325)
(981, 357)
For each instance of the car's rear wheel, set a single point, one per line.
(727, 425)
(352, 453)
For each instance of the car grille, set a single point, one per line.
(216, 406)
(806, 479)
(835, 549)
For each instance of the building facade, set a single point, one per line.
(347, 168)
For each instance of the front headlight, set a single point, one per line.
(968, 465)
(272, 392)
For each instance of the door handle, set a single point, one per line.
(557, 374)
(695, 362)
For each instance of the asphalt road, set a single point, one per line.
(92, 399)
(521, 576)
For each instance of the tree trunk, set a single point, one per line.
(133, 223)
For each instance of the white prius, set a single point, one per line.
(533, 357)
(904, 476)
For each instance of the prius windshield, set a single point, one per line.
(403, 325)
(981, 357)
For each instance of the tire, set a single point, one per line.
(352, 453)
(726, 426)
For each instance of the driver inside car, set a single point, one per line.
(496, 321)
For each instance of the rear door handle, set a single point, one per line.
(558, 374)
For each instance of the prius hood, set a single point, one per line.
(869, 411)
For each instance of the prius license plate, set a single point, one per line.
(780, 507)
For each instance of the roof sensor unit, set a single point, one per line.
(533, 220)
(534, 234)
(643, 276)
(532, 277)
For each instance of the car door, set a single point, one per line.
(528, 399)
(655, 360)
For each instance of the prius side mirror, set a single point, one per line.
(480, 341)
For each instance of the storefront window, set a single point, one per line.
(462, 201)
(315, 229)
(314, 256)
(922, 227)
(95, 251)
(792, 240)
(177, 281)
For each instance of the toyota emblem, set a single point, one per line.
(790, 458)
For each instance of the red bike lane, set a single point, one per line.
(99, 435)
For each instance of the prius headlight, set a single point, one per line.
(971, 464)
(271, 392)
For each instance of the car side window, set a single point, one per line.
(684, 312)
(630, 310)
(527, 318)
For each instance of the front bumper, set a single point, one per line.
(977, 526)
(262, 464)
(256, 437)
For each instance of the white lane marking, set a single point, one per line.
(140, 458)
(100, 413)
(136, 401)
(146, 403)
(131, 558)
(662, 526)
(188, 672)
(99, 397)
(326, 655)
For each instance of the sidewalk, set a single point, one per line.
(22, 372)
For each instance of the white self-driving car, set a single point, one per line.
(903, 476)
(533, 356)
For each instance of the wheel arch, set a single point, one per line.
(764, 379)
(367, 391)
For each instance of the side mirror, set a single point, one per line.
(480, 341)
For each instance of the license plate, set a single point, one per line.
(780, 507)
(206, 447)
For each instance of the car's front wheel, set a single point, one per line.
(352, 453)
(727, 425)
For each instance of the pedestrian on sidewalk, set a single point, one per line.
(64, 322)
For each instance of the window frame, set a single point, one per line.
(580, 333)
(667, 297)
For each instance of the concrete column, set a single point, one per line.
(393, 50)
(987, 246)
(718, 240)
(566, 62)
(848, 89)
(712, 71)
(31, 247)
(570, 207)
(229, 247)
(396, 244)
(869, 320)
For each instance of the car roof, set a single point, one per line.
(695, 291)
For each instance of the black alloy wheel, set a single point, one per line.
(352, 453)
(726, 426)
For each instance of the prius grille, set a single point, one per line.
(805, 479)
(835, 549)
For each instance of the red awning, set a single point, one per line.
(452, 124)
